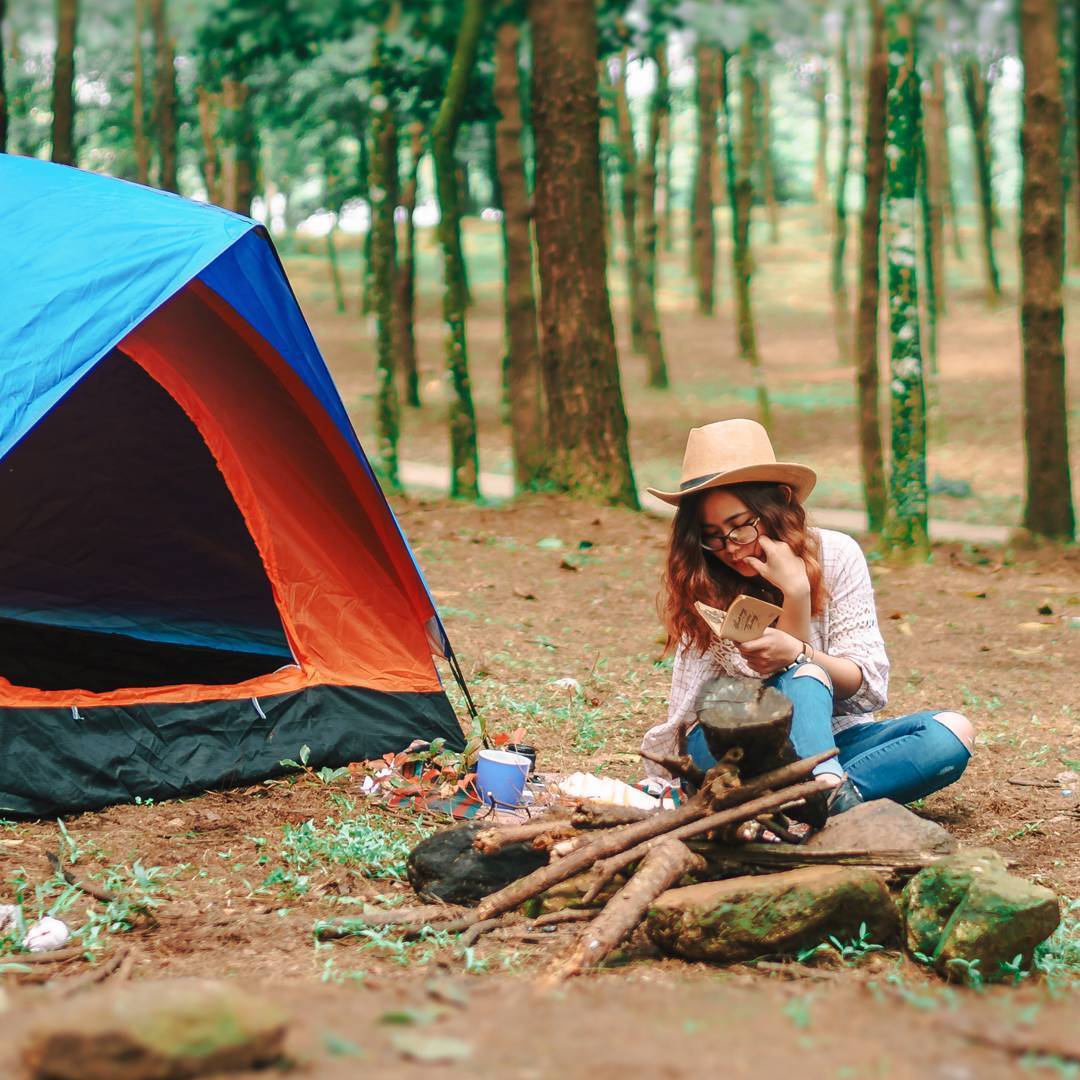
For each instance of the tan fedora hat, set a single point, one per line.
(735, 452)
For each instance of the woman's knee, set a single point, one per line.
(960, 726)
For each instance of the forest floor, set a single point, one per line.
(546, 588)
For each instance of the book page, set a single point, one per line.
(748, 618)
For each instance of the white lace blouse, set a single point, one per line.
(847, 626)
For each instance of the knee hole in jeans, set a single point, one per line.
(960, 726)
(812, 671)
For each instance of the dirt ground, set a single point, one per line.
(546, 589)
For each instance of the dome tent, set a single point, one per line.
(199, 573)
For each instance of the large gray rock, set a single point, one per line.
(882, 826)
(967, 913)
(746, 917)
(156, 1031)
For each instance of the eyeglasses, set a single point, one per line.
(746, 533)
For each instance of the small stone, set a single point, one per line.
(156, 1031)
(882, 826)
(743, 918)
(967, 909)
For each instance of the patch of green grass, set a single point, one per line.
(1058, 957)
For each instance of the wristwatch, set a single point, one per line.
(803, 658)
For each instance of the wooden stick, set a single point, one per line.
(607, 869)
(80, 883)
(492, 841)
(613, 841)
(474, 932)
(50, 956)
(66, 987)
(598, 815)
(682, 766)
(418, 917)
(567, 915)
(774, 825)
(664, 865)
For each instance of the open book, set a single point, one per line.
(747, 618)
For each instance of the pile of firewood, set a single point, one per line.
(598, 845)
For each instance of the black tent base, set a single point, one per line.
(63, 760)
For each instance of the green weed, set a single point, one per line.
(850, 952)
(1058, 957)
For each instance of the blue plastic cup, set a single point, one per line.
(500, 777)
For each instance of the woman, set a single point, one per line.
(740, 527)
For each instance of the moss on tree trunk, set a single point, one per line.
(406, 275)
(1048, 508)
(906, 518)
(975, 97)
(586, 417)
(524, 378)
(871, 452)
(464, 460)
(703, 230)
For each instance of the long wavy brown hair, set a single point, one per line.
(694, 574)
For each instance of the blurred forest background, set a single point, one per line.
(553, 236)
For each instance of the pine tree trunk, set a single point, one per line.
(3, 85)
(464, 458)
(768, 165)
(1048, 509)
(906, 520)
(821, 168)
(164, 95)
(335, 273)
(384, 193)
(406, 275)
(703, 229)
(841, 310)
(138, 101)
(929, 253)
(975, 97)
(63, 99)
(363, 183)
(209, 106)
(667, 184)
(936, 153)
(586, 417)
(241, 150)
(524, 377)
(655, 363)
(628, 180)
(742, 201)
(871, 451)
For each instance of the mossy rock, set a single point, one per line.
(156, 1031)
(774, 914)
(967, 913)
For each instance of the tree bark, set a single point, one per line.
(63, 99)
(406, 275)
(3, 85)
(524, 377)
(241, 148)
(742, 201)
(768, 164)
(652, 343)
(587, 419)
(209, 106)
(384, 193)
(335, 273)
(906, 519)
(929, 252)
(667, 186)
(628, 196)
(1048, 508)
(164, 95)
(138, 100)
(703, 242)
(464, 459)
(841, 310)
(871, 452)
(975, 97)
(821, 169)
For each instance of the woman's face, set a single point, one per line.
(722, 511)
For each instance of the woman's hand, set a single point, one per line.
(781, 567)
(772, 652)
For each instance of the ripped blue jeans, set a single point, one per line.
(903, 759)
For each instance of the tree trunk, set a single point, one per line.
(406, 275)
(164, 95)
(628, 180)
(937, 169)
(384, 193)
(335, 273)
(1048, 509)
(742, 201)
(587, 419)
(821, 168)
(768, 164)
(209, 106)
(3, 85)
(871, 452)
(906, 520)
(703, 242)
(667, 184)
(63, 100)
(363, 183)
(524, 376)
(464, 459)
(975, 97)
(138, 101)
(241, 149)
(650, 320)
(929, 252)
(841, 310)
